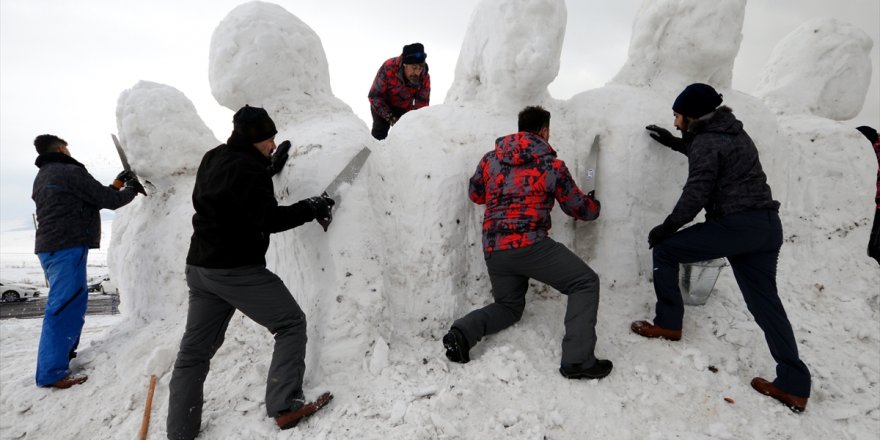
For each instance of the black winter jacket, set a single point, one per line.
(724, 172)
(236, 210)
(68, 202)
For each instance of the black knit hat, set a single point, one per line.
(869, 133)
(697, 100)
(253, 124)
(414, 54)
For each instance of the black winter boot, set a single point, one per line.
(600, 369)
(457, 348)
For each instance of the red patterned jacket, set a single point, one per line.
(519, 182)
(390, 89)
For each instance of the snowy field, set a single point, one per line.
(402, 258)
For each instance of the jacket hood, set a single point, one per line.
(522, 148)
(56, 157)
(720, 121)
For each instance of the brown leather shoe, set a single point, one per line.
(292, 418)
(69, 381)
(794, 403)
(648, 330)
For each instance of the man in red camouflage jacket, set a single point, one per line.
(402, 84)
(519, 182)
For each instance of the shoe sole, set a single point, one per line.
(452, 347)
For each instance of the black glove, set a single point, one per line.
(279, 158)
(592, 195)
(125, 176)
(322, 209)
(659, 233)
(134, 184)
(663, 136)
(392, 120)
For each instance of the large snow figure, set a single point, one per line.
(675, 41)
(146, 262)
(510, 53)
(818, 74)
(263, 55)
(823, 68)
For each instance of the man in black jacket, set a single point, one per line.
(236, 210)
(726, 179)
(68, 201)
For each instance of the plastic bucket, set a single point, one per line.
(696, 280)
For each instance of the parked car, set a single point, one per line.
(104, 287)
(10, 291)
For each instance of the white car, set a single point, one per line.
(10, 291)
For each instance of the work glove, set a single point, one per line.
(322, 209)
(279, 158)
(134, 184)
(121, 178)
(663, 136)
(392, 120)
(659, 233)
(592, 195)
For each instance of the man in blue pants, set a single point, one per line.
(68, 201)
(726, 179)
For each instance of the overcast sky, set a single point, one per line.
(63, 64)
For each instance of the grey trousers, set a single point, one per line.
(214, 296)
(555, 265)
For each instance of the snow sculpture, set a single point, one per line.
(510, 53)
(678, 42)
(823, 67)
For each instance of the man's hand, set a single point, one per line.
(134, 184)
(663, 136)
(122, 178)
(279, 158)
(322, 209)
(659, 233)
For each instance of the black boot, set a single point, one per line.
(600, 369)
(457, 348)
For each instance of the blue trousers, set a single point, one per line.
(65, 312)
(751, 242)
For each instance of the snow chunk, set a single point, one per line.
(823, 68)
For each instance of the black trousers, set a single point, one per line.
(381, 126)
(751, 242)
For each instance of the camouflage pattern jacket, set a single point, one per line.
(519, 183)
(390, 89)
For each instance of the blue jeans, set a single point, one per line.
(751, 241)
(65, 312)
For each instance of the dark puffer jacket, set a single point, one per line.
(68, 202)
(236, 210)
(390, 89)
(724, 173)
(519, 182)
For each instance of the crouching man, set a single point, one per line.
(519, 182)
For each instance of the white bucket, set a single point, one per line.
(696, 280)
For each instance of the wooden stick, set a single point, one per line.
(145, 425)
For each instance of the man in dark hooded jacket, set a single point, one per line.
(726, 179)
(401, 84)
(236, 211)
(68, 202)
(519, 182)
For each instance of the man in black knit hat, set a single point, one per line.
(235, 211)
(401, 84)
(874, 239)
(726, 179)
